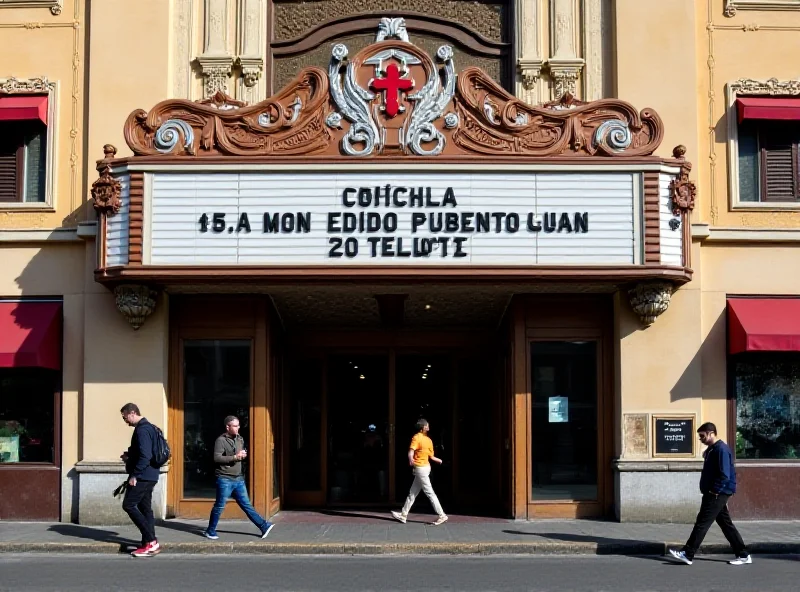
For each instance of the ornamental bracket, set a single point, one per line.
(136, 302)
(649, 300)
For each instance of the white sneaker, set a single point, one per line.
(440, 520)
(398, 516)
(680, 556)
(741, 560)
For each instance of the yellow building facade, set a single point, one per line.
(623, 180)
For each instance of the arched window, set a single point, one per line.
(302, 33)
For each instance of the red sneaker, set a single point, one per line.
(149, 550)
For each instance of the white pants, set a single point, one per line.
(422, 481)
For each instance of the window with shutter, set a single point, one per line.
(769, 161)
(22, 161)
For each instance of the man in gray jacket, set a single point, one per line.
(229, 451)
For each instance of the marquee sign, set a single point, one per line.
(393, 159)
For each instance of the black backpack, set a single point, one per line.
(161, 451)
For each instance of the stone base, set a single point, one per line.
(97, 505)
(657, 492)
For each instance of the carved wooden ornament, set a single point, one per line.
(393, 99)
(106, 193)
(682, 191)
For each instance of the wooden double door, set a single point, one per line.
(350, 416)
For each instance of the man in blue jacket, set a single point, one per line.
(142, 479)
(717, 484)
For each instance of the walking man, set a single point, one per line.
(419, 453)
(142, 479)
(229, 451)
(717, 484)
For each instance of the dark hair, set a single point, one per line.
(130, 408)
(421, 423)
(229, 419)
(707, 427)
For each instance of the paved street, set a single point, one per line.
(42, 573)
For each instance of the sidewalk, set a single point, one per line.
(368, 533)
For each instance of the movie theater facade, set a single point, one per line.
(390, 239)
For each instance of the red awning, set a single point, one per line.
(30, 335)
(23, 107)
(763, 324)
(757, 108)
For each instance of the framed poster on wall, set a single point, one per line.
(673, 435)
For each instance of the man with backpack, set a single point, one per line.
(143, 469)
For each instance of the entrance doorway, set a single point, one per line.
(368, 405)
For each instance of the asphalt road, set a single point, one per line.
(238, 573)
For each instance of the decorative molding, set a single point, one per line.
(55, 6)
(41, 85)
(682, 191)
(564, 64)
(771, 87)
(136, 302)
(565, 75)
(106, 189)
(527, 20)
(593, 83)
(250, 48)
(216, 70)
(183, 31)
(649, 300)
(336, 114)
(35, 235)
(216, 62)
(732, 6)
(712, 234)
(712, 125)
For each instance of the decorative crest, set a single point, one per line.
(393, 99)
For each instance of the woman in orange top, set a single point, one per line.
(420, 452)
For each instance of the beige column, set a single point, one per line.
(216, 61)
(183, 23)
(565, 65)
(529, 58)
(594, 29)
(251, 23)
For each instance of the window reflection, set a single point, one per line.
(27, 414)
(564, 420)
(216, 384)
(767, 405)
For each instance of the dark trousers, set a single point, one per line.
(138, 504)
(714, 508)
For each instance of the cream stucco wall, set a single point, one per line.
(51, 46)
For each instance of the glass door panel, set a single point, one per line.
(305, 425)
(216, 384)
(358, 429)
(424, 385)
(564, 446)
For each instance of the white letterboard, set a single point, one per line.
(296, 219)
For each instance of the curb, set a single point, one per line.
(539, 548)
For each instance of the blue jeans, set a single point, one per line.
(236, 488)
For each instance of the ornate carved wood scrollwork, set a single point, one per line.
(682, 191)
(495, 121)
(433, 112)
(291, 122)
(106, 189)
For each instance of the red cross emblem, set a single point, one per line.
(392, 84)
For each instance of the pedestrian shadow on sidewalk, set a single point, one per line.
(605, 545)
(95, 534)
(183, 527)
